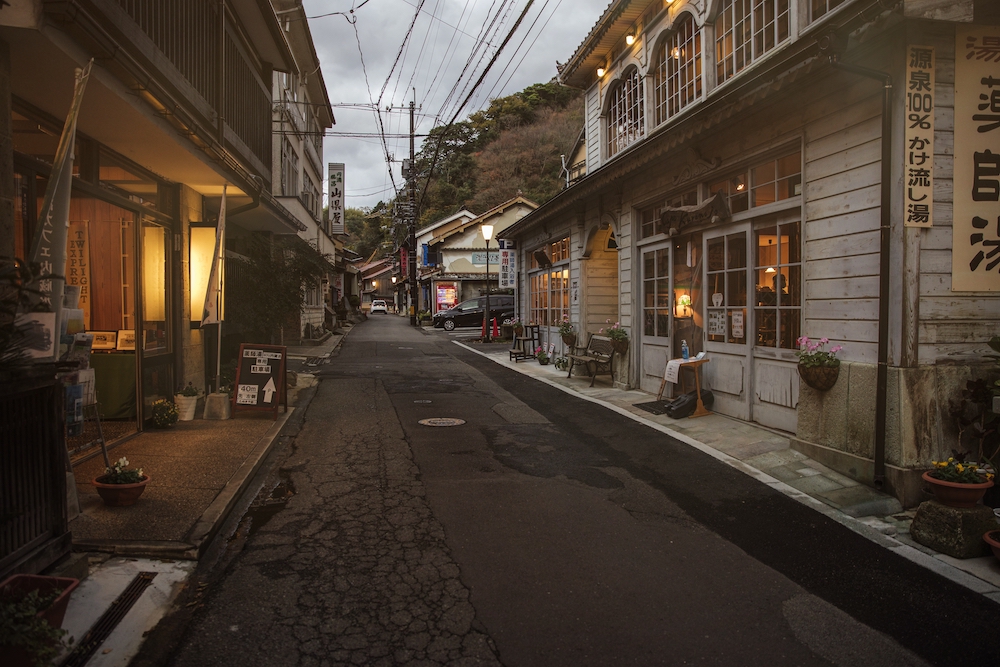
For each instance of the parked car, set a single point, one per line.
(378, 306)
(470, 313)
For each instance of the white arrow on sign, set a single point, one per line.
(269, 390)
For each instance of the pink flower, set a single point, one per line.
(813, 346)
(824, 341)
(803, 340)
(601, 330)
(836, 348)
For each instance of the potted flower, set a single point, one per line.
(32, 608)
(818, 368)
(542, 355)
(518, 326)
(186, 401)
(957, 483)
(164, 413)
(567, 331)
(562, 363)
(119, 486)
(618, 335)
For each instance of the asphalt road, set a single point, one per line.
(547, 531)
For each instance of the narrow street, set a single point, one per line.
(546, 531)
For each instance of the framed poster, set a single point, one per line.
(126, 340)
(104, 340)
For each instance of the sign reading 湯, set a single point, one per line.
(919, 137)
(336, 197)
(975, 254)
(260, 378)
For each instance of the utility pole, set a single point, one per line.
(412, 195)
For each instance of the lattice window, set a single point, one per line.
(745, 30)
(677, 74)
(625, 115)
(289, 169)
(822, 7)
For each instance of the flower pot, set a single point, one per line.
(120, 495)
(620, 346)
(185, 407)
(569, 339)
(543, 362)
(20, 585)
(820, 378)
(992, 538)
(956, 494)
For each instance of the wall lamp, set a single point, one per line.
(600, 72)
(630, 39)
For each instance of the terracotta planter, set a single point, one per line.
(992, 538)
(19, 585)
(185, 407)
(120, 495)
(620, 346)
(569, 339)
(820, 378)
(954, 494)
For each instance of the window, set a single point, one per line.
(764, 183)
(625, 115)
(548, 288)
(649, 218)
(677, 74)
(289, 169)
(778, 277)
(745, 30)
(727, 288)
(309, 195)
(821, 7)
(656, 293)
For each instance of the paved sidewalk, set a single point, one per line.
(767, 455)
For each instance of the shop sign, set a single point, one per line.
(78, 265)
(335, 198)
(260, 378)
(479, 257)
(976, 223)
(919, 179)
(508, 264)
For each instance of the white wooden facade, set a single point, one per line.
(795, 144)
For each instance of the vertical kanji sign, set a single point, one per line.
(336, 197)
(508, 264)
(976, 226)
(260, 378)
(919, 179)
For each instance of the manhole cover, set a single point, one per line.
(422, 400)
(441, 421)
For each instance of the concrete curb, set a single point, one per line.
(928, 561)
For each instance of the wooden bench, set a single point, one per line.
(597, 356)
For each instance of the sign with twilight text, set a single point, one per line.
(336, 198)
(975, 253)
(919, 185)
(260, 378)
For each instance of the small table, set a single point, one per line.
(694, 365)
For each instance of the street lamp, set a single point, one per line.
(487, 234)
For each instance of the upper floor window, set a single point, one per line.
(747, 29)
(309, 195)
(677, 74)
(764, 183)
(289, 169)
(625, 115)
(821, 7)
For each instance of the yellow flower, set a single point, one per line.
(951, 458)
(959, 467)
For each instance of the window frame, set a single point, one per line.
(743, 39)
(548, 287)
(626, 104)
(679, 53)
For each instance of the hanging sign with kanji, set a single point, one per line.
(260, 378)
(975, 255)
(919, 178)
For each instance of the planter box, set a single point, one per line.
(22, 584)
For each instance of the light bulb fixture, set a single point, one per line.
(394, 280)
(600, 72)
(770, 269)
(488, 232)
(630, 39)
(676, 53)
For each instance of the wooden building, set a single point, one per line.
(758, 172)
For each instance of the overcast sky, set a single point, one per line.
(444, 36)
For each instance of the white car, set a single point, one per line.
(378, 306)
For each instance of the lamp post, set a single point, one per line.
(395, 295)
(488, 234)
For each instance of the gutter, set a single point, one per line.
(881, 386)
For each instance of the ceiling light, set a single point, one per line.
(630, 39)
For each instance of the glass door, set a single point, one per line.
(688, 296)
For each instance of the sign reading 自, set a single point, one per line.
(260, 378)
(919, 178)
(975, 254)
(336, 198)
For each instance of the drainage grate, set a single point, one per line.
(421, 400)
(441, 421)
(100, 631)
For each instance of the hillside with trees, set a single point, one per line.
(513, 146)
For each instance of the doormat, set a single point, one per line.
(656, 407)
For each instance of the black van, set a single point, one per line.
(470, 313)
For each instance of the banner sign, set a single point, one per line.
(78, 265)
(975, 254)
(336, 198)
(508, 264)
(260, 378)
(919, 137)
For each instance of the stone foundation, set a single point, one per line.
(955, 531)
